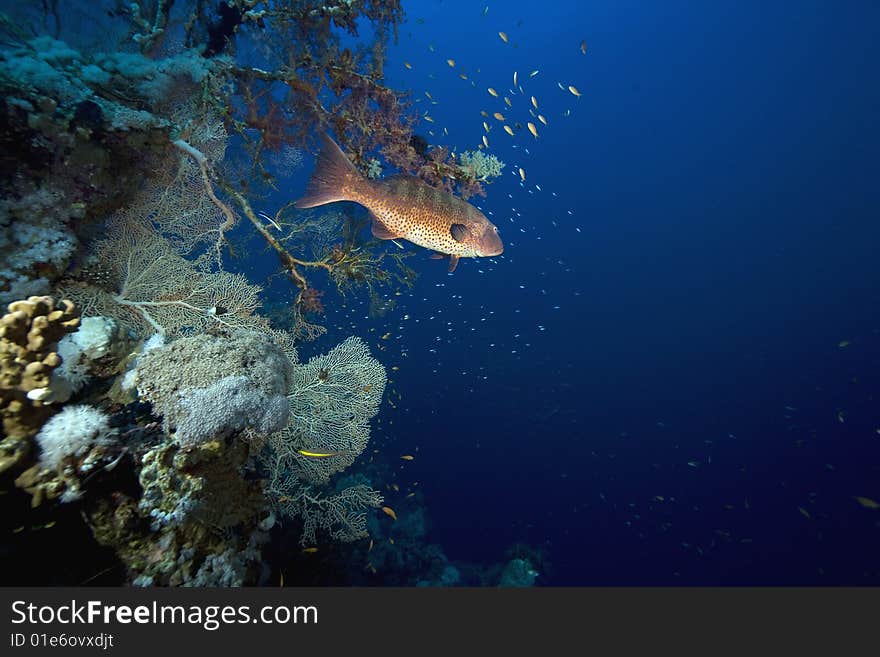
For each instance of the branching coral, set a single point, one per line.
(154, 289)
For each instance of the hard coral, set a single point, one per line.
(29, 334)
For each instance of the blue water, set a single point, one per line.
(704, 238)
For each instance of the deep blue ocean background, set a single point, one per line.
(671, 375)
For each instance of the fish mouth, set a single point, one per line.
(494, 247)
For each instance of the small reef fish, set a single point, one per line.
(485, 141)
(867, 502)
(451, 62)
(542, 119)
(388, 511)
(503, 36)
(407, 457)
(492, 92)
(532, 129)
(534, 102)
(309, 550)
(534, 73)
(407, 64)
(514, 79)
(508, 130)
(583, 47)
(404, 207)
(522, 174)
(499, 116)
(574, 91)
(317, 455)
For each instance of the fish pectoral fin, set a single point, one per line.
(453, 263)
(458, 232)
(381, 231)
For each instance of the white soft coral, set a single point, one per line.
(72, 432)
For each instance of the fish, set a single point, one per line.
(403, 207)
(407, 64)
(492, 92)
(451, 62)
(532, 129)
(574, 90)
(804, 512)
(522, 174)
(309, 550)
(485, 126)
(428, 118)
(508, 130)
(534, 102)
(844, 343)
(534, 73)
(542, 119)
(499, 116)
(507, 100)
(484, 113)
(583, 47)
(485, 10)
(867, 502)
(462, 76)
(388, 511)
(485, 141)
(514, 79)
(503, 36)
(407, 457)
(317, 455)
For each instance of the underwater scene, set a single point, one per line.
(439, 293)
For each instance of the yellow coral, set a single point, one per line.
(29, 333)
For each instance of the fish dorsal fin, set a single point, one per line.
(334, 179)
(458, 232)
(381, 231)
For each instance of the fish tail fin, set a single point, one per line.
(335, 178)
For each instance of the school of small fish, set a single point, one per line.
(537, 100)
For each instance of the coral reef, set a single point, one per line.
(331, 399)
(198, 521)
(29, 334)
(209, 386)
(126, 171)
(73, 445)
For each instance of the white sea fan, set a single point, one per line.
(72, 432)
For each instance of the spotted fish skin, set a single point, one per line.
(404, 207)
